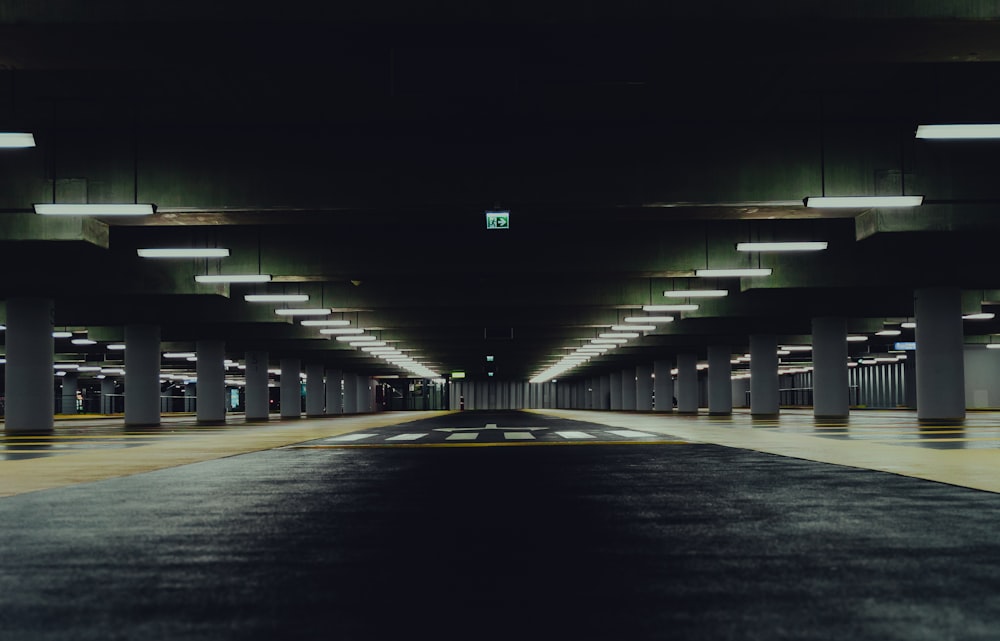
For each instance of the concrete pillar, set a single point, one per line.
(190, 397)
(334, 392)
(764, 399)
(604, 393)
(615, 388)
(940, 356)
(315, 396)
(211, 368)
(257, 397)
(70, 384)
(831, 392)
(910, 380)
(142, 375)
(687, 383)
(644, 388)
(351, 393)
(107, 395)
(30, 403)
(628, 389)
(291, 388)
(720, 380)
(663, 386)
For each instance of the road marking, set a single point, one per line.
(350, 437)
(575, 435)
(406, 437)
(629, 433)
(519, 436)
(462, 436)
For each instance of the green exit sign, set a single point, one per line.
(498, 220)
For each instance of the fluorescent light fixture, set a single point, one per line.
(856, 339)
(183, 252)
(83, 341)
(649, 319)
(604, 341)
(111, 370)
(88, 368)
(980, 316)
(681, 307)
(797, 348)
(633, 328)
(888, 332)
(193, 359)
(341, 330)
(3, 327)
(347, 339)
(993, 346)
(66, 366)
(178, 354)
(796, 246)
(62, 334)
(116, 346)
(276, 298)
(16, 140)
(303, 311)
(783, 352)
(909, 325)
(958, 132)
(619, 335)
(379, 345)
(326, 323)
(94, 209)
(233, 278)
(732, 273)
(863, 202)
(696, 293)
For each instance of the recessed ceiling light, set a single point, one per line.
(94, 209)
(796, 246)
(182, 252)
(733, 273)
(696, 293)
(958, 132)
(233, 278)
(862, 202)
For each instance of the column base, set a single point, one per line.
(831, 417)
(720, 413)
(157, 424)
(291, 418)
(765, 417)
(315, 415)
(257, 419)
(941, 421)
(213, 421)
(687, 413)
(39, 432)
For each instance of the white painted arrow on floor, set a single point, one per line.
(489, 426)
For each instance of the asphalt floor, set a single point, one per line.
(650, 534)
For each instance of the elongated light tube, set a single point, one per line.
(619, 335)
(862, 202)
(733, 273)
(342, 330)
(233, 278)
(649, 319)
(791, 246)
(276, 298)
(696, 293)
(958, 132)
(680, 307)
(16, 140)
(633, 328)
(94, 209)
(303, 311)
(325, 323)
(183, 252)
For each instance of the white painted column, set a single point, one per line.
(29, 382)
(940, 356)
(291, 388)
(831, 398)
(720, 381)
(644, 388)
(142, 375)
(315, 396)
(687, 383)
(257, 398)
(211, 369)
(663, 386)
(334, 392)
(764, 397)
(615, 389)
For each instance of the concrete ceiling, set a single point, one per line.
(352, 152)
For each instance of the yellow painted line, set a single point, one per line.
(346, 446)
